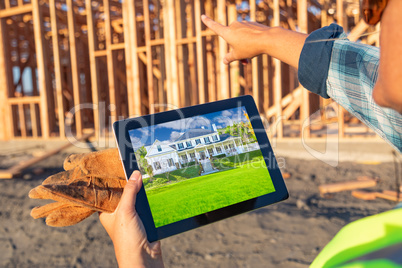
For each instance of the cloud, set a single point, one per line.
(144, 131)
(223, 121)
(135, 141)
(226, 113)
(165, 143)
(197, 122)
(177, 125)
(175, 135)
(188, 123)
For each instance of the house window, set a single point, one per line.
(192, 155)
(231, 146)
(226, 147)
(180, 145)
(170, 162)
(184, 157)
(159, 148)
(188, 143)
(215, 137)
(211, 151)
(157, 165)
(197, 141)
(218, 150)
(206, 140)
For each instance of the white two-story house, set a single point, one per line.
(195, 144)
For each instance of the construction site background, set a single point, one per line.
(72, 67)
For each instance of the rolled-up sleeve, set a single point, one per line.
(315, 59)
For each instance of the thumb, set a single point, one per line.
(229, 57)
(133, 186)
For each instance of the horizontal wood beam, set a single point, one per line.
(12, 11)
(24, 100)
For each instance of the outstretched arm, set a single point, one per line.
(250, 39)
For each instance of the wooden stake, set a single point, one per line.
(93, 68)
(340, 14)
(133, 76)
(278, 79)
(42, 68)
(110, 62)
(57, 67)
(174, 84)
(200, 45)
(22, 122)
(5, 115)
(254, 63)
(192, 92)
(161, 58)
(34, 120)
(182, 59)
(74, 66)
(150, 78)
(234, 66)
(267, 82)
(7, 4)
(211, 74)
(305, 105)
(222, 45)
(340, 20)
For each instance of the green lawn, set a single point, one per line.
(192, 197)
(190, 172)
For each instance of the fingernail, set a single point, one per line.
(135, 176)
(244, 61)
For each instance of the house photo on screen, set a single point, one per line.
(213, 159)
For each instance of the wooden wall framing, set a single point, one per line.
(101, 60)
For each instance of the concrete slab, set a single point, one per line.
(332, 150)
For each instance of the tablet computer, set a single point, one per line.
(199, 164)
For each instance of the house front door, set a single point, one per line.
(202, 155)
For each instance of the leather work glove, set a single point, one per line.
(91, 182)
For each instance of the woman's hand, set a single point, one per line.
(245, 38)
(127, 232)
(249, 39)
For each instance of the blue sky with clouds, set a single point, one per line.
(168, 132)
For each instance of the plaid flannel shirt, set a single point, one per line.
(332, 66)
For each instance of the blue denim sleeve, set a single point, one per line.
(315, 58)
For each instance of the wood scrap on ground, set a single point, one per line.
(372, 195)
(364, 195)
(361, 182)
(390, 195)
(18, 168)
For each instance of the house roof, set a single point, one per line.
(193, 133)
(223, 137)
(165, 149)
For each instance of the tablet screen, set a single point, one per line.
(200, 164)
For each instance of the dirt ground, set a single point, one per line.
(287, 234)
